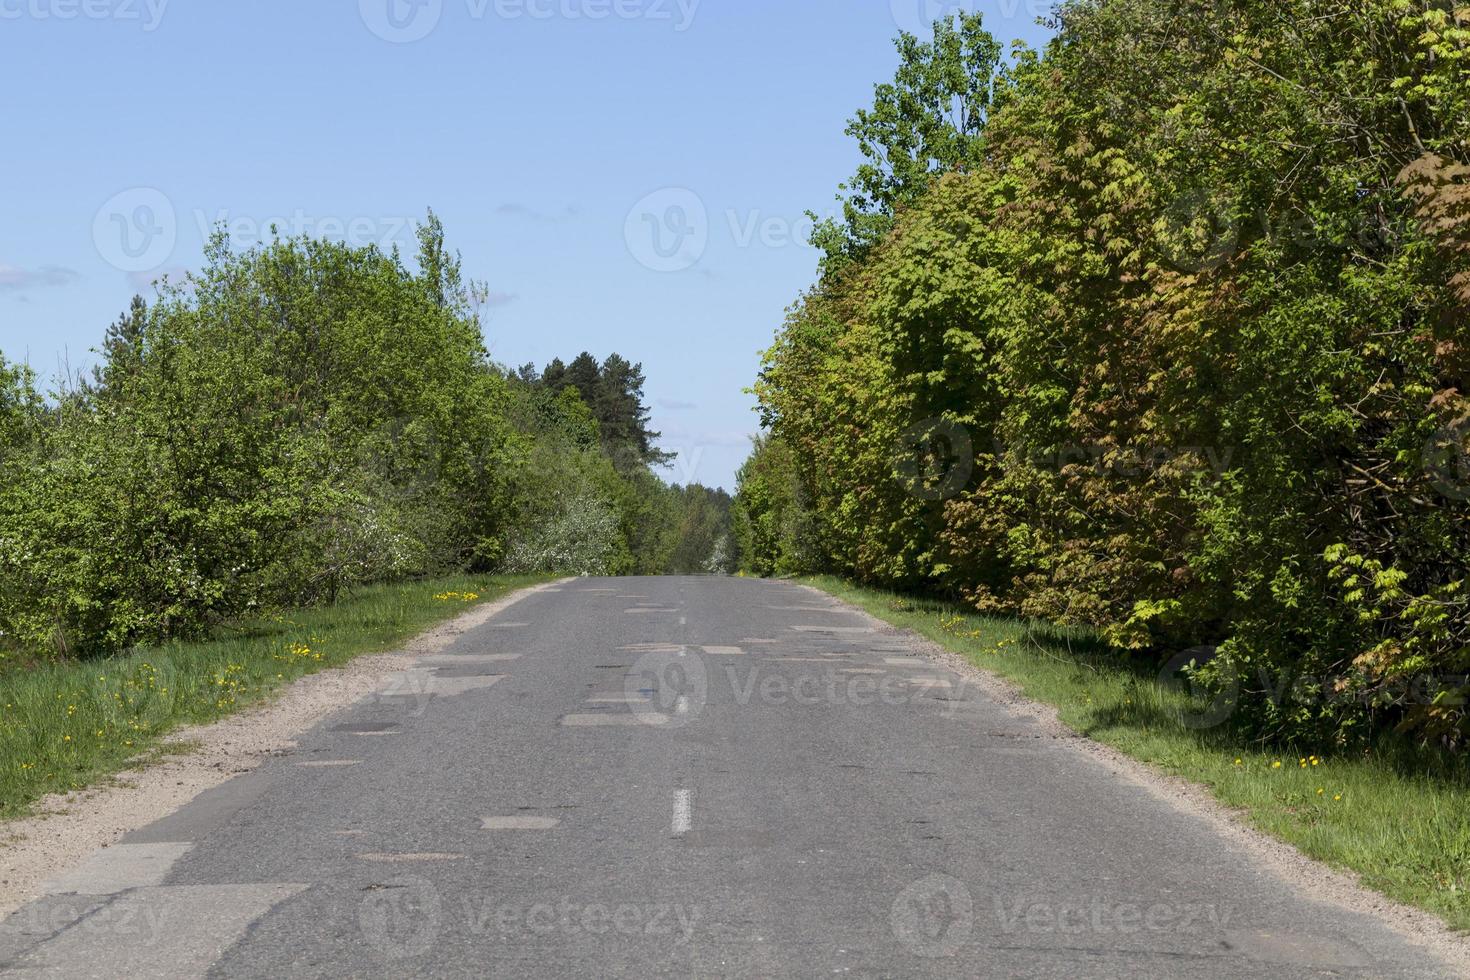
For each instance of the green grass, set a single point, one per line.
(1398, 817)
(66, 726)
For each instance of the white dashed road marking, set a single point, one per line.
(683, 811)
(330, 763)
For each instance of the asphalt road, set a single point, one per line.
(685, 777)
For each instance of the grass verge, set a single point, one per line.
(1399, 818)
(66, 726)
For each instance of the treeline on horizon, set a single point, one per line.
(305, 417)
(1162, 332)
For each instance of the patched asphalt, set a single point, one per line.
(686, 777)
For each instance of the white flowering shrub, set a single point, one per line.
(582, 537)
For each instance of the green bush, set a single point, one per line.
(1176, 353)
(296, 420)
(303, 418)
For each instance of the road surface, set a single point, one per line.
(686, 777)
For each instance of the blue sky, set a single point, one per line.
(627, 175)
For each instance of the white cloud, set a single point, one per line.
(15, 279)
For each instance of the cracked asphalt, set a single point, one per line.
(686, 777)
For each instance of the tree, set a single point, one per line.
(1191, 297)
(122, 347)
(613, 390)
(929, 120)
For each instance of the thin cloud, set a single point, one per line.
(15, 279)
(674, 405)
(493, 298)
(513, 210)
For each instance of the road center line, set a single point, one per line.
(683, 811)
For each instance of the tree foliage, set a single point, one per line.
(299, 419)
(1180, 355)
(926, 122)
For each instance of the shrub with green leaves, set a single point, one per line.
(294, 420)
(1175, 350)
